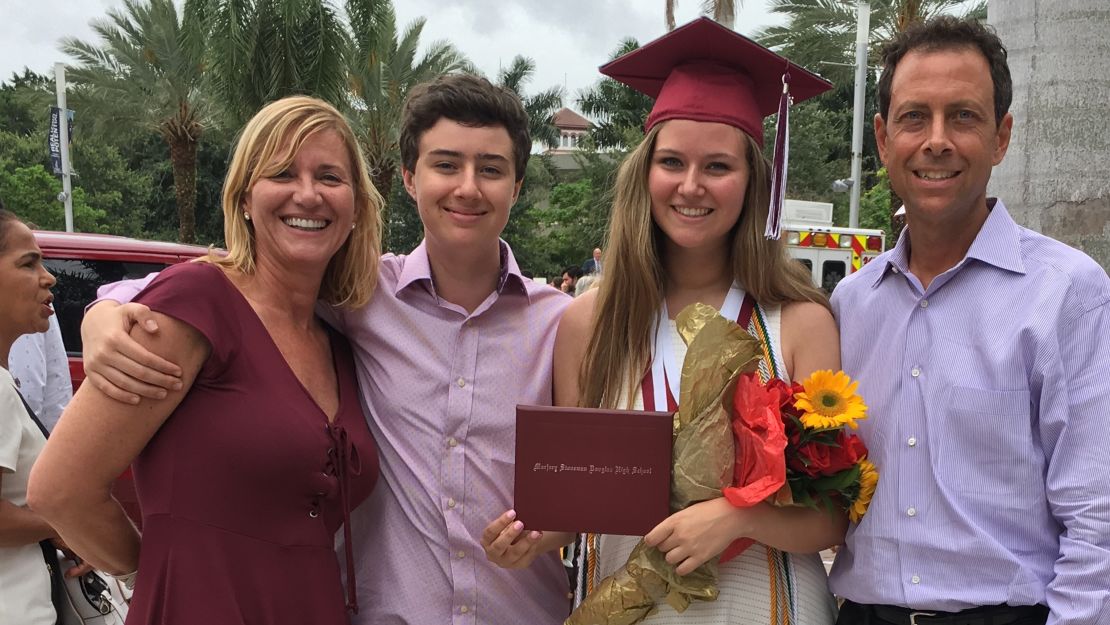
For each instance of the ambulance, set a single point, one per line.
(829, 252)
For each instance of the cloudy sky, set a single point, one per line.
(568, 39)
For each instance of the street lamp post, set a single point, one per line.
(863, 28)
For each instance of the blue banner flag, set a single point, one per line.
(54, 140)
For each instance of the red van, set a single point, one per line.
(83, 262)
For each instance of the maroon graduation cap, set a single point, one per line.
(703, 71)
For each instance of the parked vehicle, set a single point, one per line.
(829, 252)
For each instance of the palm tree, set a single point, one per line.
(722, 11)
(263, 50)
(383, 66)
(541, 107)
(821, 34)
(146, 74)
(618, 111)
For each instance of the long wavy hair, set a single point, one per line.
(629, 296)
(267, 145)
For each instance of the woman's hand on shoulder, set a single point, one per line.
(575, 328)
(810, 339)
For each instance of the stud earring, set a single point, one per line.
(246, 215)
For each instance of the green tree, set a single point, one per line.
(384, 66)
(874, 204)
(31, 192)
(264, 50)
(146, 73)
(618, 111)
(541, 107)
(722, 11)
(821, 34)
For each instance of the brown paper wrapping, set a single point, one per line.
(717, 351)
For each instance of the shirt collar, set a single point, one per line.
(998, 243)
(418, 268)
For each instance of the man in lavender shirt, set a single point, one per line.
(983, 351)
(453, 339)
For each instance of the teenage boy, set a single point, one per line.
(453, 339)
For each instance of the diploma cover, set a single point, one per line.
(592, 470)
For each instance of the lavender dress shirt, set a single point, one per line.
(440, 388)
(989, 396)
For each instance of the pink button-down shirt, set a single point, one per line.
(441, 388)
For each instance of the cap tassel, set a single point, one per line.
(782, 156)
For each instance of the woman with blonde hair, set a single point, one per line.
(689, 224)
(247, 471)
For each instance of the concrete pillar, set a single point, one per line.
(1056, 177)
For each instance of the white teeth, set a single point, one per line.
(936, 175)
(687, 211)
(305, 224)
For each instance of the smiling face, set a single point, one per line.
(940, 139)
(27, 303)
(302, 214)
(464, 185)
(697, 179)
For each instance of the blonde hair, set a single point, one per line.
(268, 144)
(628, 299)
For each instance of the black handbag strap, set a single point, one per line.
(31, 413)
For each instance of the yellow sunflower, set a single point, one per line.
(829, 401)
(868, 479)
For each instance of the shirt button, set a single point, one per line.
(915, 579)
(460, 554)
(911, 511)
(924, 303)
(469, 322)
(450, 503)
(461, 382)
(464, 609)
(912, 442)
(915, 372)
(452, 442)
(893, 269)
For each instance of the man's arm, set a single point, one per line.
(1074, 424)
(114, 362)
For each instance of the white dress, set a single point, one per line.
(761, 585)
(24, 578)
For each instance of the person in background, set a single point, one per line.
(982, 349)
(593, 265)
(25, 308)
(248, 467)
(571, 275)
(39, 364)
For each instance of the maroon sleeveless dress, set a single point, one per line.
(246, 484)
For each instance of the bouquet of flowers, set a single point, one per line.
(794, 447)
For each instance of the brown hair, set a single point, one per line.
(7, 218)
(946, 33)
(628, 299)
(470, 101)
(268, 144)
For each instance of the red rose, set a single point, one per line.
(816, 458)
